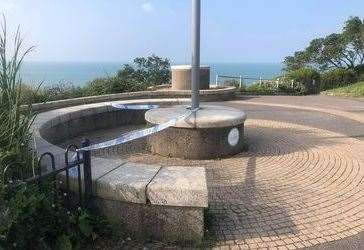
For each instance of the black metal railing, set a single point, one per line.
(80, 194)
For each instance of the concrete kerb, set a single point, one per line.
(128, 190)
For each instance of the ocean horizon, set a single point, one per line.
(79, 73)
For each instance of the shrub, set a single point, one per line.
(111, 85)
(271, 88)
(354, 90)
(337, 78)
(307, 77)
(30, 94)
(144, 73)
(149, 71)
(295, 88)
(260, 89)
(31, 217)
(360, 72)
(36, 218)
(99, 86)
(62, 90)
(233, 82)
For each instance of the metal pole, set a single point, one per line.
(87, 173)
(195, 65)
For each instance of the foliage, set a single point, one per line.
(60, 91)
(274, 88)
(145, 72)
(308, 77)
(342, 50)
(353, 90)
(15, 158)
(359, 69)
(111, 85)
(31, 217)
(337, 78)
(36, 218)
(149, 71)
(63, 90)
(232, 82)
(261, 89)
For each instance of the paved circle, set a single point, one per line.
(297, 186)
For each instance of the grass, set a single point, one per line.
(15, 157)
(353, 90)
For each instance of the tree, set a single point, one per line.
(338, 50)
(152, 70)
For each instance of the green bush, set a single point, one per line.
(99, 86)
(307, 77)
(232, 82)
(148, 71)
(60, 91)
(260, 89)
(360, 72)
(30, 94)
(31, 217)
(289, 88)
(112, 85)
(353, 90)
(36, 219)
(272, 88)
(337, 78)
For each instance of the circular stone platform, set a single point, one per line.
(211, 132)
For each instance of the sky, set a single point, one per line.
(120, 30)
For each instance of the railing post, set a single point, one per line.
(87, 175)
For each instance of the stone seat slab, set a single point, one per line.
(127, 183)
(180, 187)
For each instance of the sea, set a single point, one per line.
(79, 73)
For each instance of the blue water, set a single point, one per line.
(50, 73)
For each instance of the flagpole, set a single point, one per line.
(195, 65)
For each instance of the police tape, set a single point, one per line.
(136, 134)
(135, 107)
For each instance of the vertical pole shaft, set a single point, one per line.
(195, 67)
(87, 173)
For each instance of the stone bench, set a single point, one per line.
(165, 203)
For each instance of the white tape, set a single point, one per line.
(136, 134)
(135, 107)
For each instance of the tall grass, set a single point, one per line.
(15, 157)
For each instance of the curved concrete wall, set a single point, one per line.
(145, 198)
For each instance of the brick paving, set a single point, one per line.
(299, 185)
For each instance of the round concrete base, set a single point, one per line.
(181, 77)
(212, 132)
